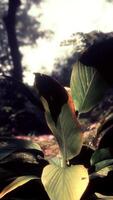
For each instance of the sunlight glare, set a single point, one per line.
(64, 18)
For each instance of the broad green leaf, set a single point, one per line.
(65, 183)
(100, 155)
(20, 143)
(14, 145)
(67, 131)
(102, 164)
(87, 87)
(60, 115)
(69, 136)
(104, 171)
(48, 117)
(55, 161)
(16, 183)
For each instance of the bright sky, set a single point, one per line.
(64, 17)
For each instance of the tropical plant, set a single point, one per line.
(79, 168)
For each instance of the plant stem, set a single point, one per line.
(64, 162)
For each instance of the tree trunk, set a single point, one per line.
(10, 23)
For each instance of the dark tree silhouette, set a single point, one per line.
(10, 23)
(17, 29)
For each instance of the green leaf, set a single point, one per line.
(65, 183)
(104, 171)
(54, 93)
(101, 158)
(87, 87)
(60, 115)
(21, 143)
(16, 183)
(67, 132)
(12, 145)
(69, 135)
(100, 155)
(55, 161)
(102, 164)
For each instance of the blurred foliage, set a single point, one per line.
(21, 111)
(109, 1)
(28, 26)
(80, 42)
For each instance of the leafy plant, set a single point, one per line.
(69, 177)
